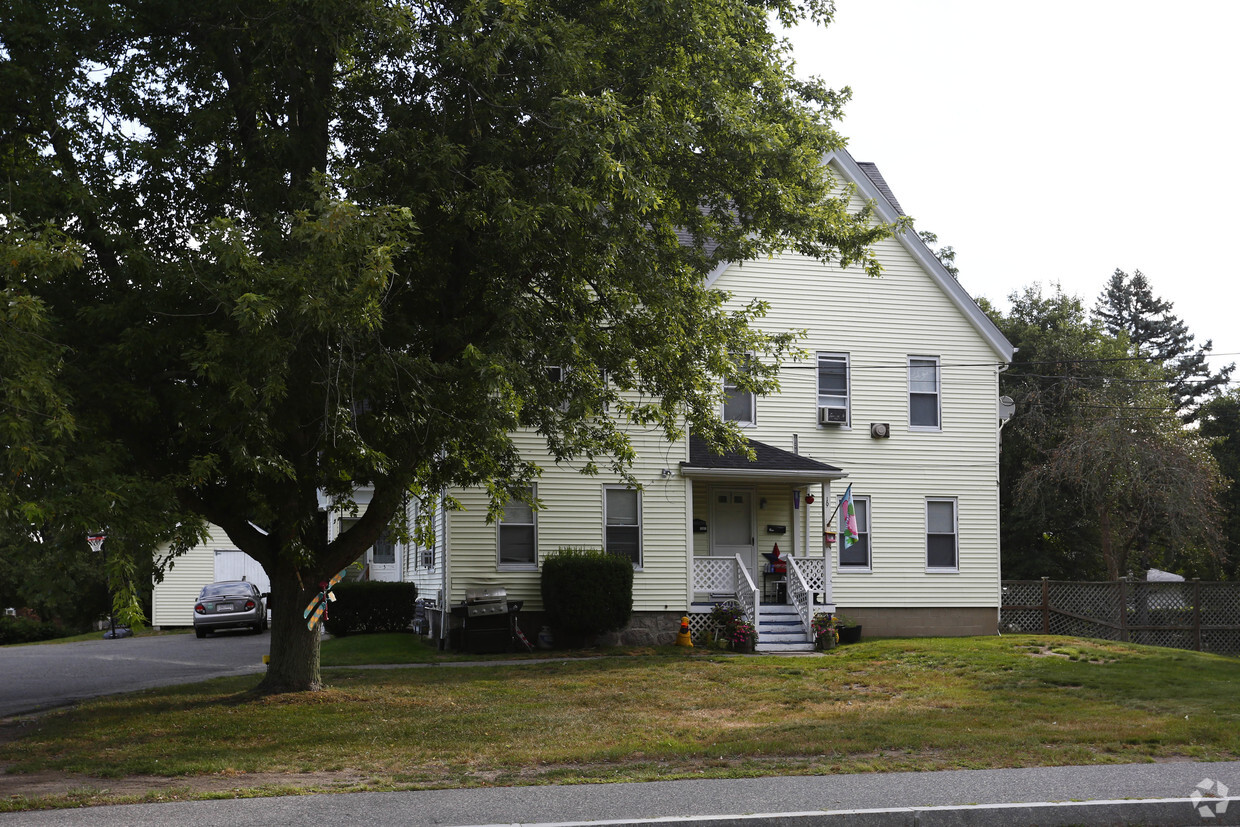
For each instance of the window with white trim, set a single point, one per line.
(924, 393)
(739, 406)
(942, 535)
(622, 523)
(518, 533)
(833, 408)
(857, 556)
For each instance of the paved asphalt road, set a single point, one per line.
(56, 674)
(904, 798)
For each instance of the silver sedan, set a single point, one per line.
(231, 604)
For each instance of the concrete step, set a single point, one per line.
(772, 648)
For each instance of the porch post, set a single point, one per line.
(688, 543)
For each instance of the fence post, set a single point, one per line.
(1046, 606)
(1123, 609)
(1197, 613)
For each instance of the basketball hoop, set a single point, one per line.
(96, 541)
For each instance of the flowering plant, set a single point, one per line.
(822, 623)
(742, 634)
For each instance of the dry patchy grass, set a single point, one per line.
(884, 705)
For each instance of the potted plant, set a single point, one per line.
(825, 634)
(849, 631)
(742, 636)
(732, 628)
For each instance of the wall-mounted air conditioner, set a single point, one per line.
(832, 416)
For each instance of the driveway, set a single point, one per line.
(56, 674)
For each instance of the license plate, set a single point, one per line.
(225, 607)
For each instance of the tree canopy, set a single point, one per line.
(1098, 474)
(257, 253)
(1128, 305)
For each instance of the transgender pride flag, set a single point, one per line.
(848, 518)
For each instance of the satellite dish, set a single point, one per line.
(1006, 408)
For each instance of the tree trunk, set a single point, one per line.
(1111, 553)
(294, 648)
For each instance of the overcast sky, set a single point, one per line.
(1056, 141)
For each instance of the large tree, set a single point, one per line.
(1098, 475)
(1220, 423)
(279, 250)
(1128, 305)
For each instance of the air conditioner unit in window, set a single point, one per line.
(880, 430)
(832, 416)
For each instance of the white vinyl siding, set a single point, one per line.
(517, 533)
(172, 599)
(924, 393)
(879, 323)
(857, 556)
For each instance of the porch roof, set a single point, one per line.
(769, 463)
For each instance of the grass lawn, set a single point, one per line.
(909, 704)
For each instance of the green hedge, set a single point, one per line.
(27, 630)
(371, 606)
(585, 593)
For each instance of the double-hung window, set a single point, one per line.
(518, 533)
(857, 556)
(739, 405)
(924, 408)
(622, 523)
(942, 535)
(833, 389)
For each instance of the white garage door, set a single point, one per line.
(237, 565)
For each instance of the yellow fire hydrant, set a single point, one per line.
(683, 639)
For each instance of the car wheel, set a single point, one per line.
(201, 633)
(258, 628)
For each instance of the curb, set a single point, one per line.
(1157, 812)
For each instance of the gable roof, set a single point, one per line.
(769, 463)
(871, 186)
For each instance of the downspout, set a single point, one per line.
(999, 504)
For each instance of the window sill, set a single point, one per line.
(516, 567)
(942, 571)
(854, 570)
(925, 429)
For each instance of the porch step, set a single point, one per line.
(780, 630)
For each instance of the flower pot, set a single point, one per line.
(824, 642)
(850, 634)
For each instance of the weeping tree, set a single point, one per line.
(271, 252)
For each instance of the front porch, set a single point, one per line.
(757, 539)
(782, 626)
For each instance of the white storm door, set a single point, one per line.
(731, 527)
(385, 559)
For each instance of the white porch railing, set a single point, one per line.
(799, 593)
(727, 576)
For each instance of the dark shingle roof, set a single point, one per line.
(871, 171)
(767, 458)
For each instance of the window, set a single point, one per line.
(518, 533)
(738, 405)
(941, 533)
(622, 523)
(857, 556)
(556, 376)
(923, 392)
(428, 557)
(832, 389)
(384, 551)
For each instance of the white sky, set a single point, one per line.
(1055, 141)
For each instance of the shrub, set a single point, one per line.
(585, 593)
(371, 606)
(27, 630)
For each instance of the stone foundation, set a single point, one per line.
(646, 629)
(945, 621)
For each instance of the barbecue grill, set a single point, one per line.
(486, 617)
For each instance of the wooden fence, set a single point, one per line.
(1185, 615)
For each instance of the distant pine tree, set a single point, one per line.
(1128, 304)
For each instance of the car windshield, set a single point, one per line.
(224, 589)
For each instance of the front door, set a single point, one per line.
(384, 559)
(731, 527)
